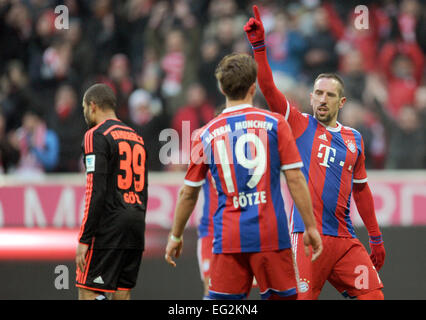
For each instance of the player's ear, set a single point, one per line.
(220, 88)
(93, 106)
(342, 102)
(252, 89)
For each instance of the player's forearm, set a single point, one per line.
(264, 72)
(275, 99)
(184, 208)
(365, 205)
(302, 199)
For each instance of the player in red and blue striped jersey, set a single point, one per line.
(334, 167)
(245, 149)
(205, 231)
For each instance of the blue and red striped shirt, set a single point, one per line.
(245, 149)
(205, 226)
(333, 160)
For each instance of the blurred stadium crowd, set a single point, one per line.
(159, 57)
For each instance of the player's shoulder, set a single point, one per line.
(217, 121)
(112, 124)
(274, 115)
(354, 131)
(264, 114)
(89, 138)
(100, 127)
(198, 133)
(101, 131)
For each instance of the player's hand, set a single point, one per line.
(378, 252)
(255, 31)
(311, 237)
(173, 249)
(80, 256)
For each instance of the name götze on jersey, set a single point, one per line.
(251, 157)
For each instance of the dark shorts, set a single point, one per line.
(109, 270)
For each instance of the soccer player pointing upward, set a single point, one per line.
(334, 167)
(246, 149)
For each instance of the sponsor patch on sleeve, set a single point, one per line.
(90, 163)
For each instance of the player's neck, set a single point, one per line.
(233, 103)
(331, 124)
(107, 115)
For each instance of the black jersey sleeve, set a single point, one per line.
(96, 155)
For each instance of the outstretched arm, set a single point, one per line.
(256, 35)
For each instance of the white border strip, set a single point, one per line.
(292, 166)
(287, 113)
(194, 183)
(360, 181)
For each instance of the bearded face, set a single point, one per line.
(326, 100)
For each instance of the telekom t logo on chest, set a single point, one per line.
(328, 154)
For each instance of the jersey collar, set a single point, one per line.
(332, 129)
(237, 108)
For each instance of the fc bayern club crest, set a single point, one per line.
(303, 285)
(351, 146)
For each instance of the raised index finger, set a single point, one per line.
(256, 12)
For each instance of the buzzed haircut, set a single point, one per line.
(236, 72)
(102, 95)
(335, 77)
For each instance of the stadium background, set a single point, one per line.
(159, 57)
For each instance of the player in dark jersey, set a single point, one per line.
(111, 238)
(334, 167)
(245, 149)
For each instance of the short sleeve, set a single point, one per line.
(298, 121)
(96, 150)
(198, 167)
(360, 173)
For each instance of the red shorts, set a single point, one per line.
(344, 262)
(204, 254)
(232, 274)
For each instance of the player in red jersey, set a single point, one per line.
(245, 149)
(205, 232)
(334, 167)
(111, 238)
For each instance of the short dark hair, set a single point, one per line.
(102, 95)
(236, 72)
(335, 77)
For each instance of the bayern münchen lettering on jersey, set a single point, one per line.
(245, 149)
(333, 160)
